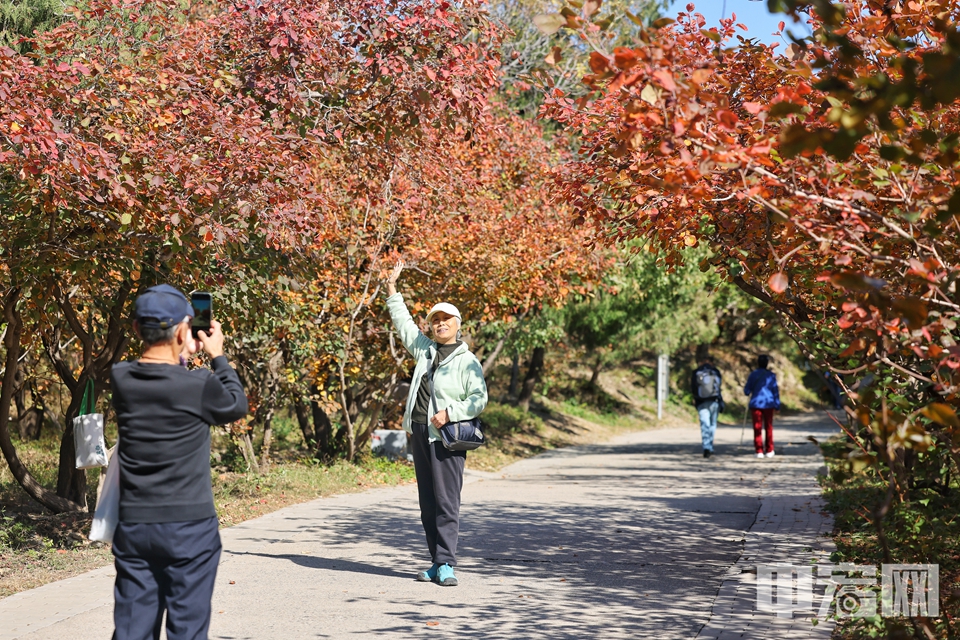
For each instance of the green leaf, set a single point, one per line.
(713, 35)
(126, 219)
(634, 19)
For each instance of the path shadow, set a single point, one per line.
(329, 564)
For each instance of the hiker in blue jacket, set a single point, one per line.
(708, 398)
(764, 400)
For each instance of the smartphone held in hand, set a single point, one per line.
(202, 303)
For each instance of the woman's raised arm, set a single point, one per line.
(410, 335)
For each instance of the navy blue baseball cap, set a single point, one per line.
(161, 307)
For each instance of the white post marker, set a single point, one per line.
(663, 382)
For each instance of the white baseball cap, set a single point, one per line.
(447, 308)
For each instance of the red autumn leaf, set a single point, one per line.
(913, 310)
(856, 281)
(778, 282)
(553, 57)
(599, 63)
(857, 345)
(665, 79)
(624, 57)
(728, 118)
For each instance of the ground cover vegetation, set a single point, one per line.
(821, 173)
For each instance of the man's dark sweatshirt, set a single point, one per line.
(164, 413)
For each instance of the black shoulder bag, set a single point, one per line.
(465, 435)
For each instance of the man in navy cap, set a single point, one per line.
(167, 542)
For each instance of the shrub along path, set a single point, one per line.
(634, 538)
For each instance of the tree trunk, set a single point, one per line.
(246, 448)
(30, 423)
(531, 379)
(306, 426)
(267, 442)
(491, 360)
(47, 498)
(514, 378)
(71, 482)
(323, 428)
(595, 373)
(371, 422)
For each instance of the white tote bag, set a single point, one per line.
(88, 442)
(107, 515)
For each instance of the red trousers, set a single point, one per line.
(762, 418)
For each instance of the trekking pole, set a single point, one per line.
(744, 427)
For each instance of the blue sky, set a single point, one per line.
(753, 13)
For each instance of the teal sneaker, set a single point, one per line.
(445, 577)
(430, 575)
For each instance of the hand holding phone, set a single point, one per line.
(202, 303)
(213, 341)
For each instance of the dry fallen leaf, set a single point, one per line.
(433, 623)
(233, 582)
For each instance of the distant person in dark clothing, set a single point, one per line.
(167, 542)
(705, 388)
(833, 386)
(764, 400)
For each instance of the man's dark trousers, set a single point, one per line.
(439, 480)
(165, 566)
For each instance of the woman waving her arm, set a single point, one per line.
(459, 393)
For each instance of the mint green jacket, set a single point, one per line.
(458, 382)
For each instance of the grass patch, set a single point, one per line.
(514, 434)
(585, 411)
(241, 496)
(925, 529)
(511, 434)
(38, 548)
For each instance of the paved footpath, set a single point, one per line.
(637, 538)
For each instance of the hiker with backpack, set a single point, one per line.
(764, 400)
(705, 386)
(447, 386)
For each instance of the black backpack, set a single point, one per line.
(708, 383)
